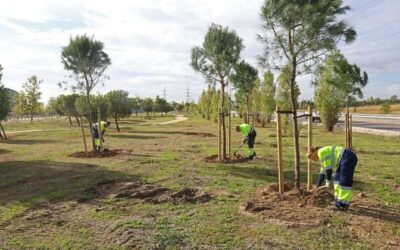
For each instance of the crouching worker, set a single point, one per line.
(96, 131)
(342, 162)
(249, 134)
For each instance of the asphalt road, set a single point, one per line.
(380, 122)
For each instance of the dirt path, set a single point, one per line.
(178, 118)
(34, 130)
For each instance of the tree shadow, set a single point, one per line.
(379, 152)
(26, 141)
(33, 183)
(4, 151)
(125, 136)
(385, 214)
(173, 133)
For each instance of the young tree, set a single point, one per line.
(215, 60)
(68, 107)
(386, 108)
(136, 104)
(5, 107)
(85, 59)
(161, 105)
(120, 105)
(54, 106)
(338, 83)
(97, 101)
(244, 78)
(267, 98)
(298, 33)
(31, 94)
(147, 105)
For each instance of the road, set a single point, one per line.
(378, 122)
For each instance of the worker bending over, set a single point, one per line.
(249, 134)
(343, 162)
(96, 135)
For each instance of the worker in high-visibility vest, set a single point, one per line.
(96, 135)
(340, 161)
(249, 134)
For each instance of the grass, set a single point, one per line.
(376, 109)
(44, 203)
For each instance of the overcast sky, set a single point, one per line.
(149, 42)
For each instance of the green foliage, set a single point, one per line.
(5, 103)
(337, 82)
(244, 79)
(68, 105)
(97, 101)
(208, 102)
(147, 105)
(120, 103)
(54, 106)
(28, 99)
(161, 105)
(385, 108)
(136, 104)
(267, 97)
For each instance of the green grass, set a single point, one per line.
(38, 176)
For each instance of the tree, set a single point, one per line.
(54, 106)
(267, 98)
(31, 95)
(68, 107)
(161, 105)
(5, 106)
(338, 84)
(205, 103)
(244, 78)
(120, 105)
(298, 33)
(147, 105)
(136, 104)
(386, 108)
(215, 59)
(85, 59)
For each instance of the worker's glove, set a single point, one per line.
(245, 140)
(327, 183)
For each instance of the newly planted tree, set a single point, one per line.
(120, 105)
(244, 79)
(298, 33)
(68, 107)
(85, 58)
(267, 97)
(215, 59)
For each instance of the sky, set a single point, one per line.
(149, 42)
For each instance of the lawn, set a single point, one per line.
(47, 199)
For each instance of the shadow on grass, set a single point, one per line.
(33, 183)
(173, 133)
(385, 214)
(378, 152)
(26, 141)
(140, 137)
(4, 151)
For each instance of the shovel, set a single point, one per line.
(237, 150)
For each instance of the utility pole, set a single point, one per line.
(165, 94)
(187, 99)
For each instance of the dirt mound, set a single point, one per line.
(292, 208)
(214, 159)
(148, 192)
(106, 153)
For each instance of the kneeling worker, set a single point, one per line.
(96, 135)
(249, 134)
(343, 162)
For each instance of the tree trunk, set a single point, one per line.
(89, 109)
(31, 118)
(70, 121)
(2, 131)
(248, 109)
(295, 125)
(116, 124)
(77, 121)
(223, 120)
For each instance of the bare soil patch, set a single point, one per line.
(103, 154)
(199, 134)
(149, 192)
(300, 208)
(214, 159)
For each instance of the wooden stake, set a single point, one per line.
(309, 166)
(279, 147)
(351, 131)
(99, 129)
(219, 135)
(83, 135)
(4, 132)
(229, 135)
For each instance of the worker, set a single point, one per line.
(96, 135)
(342, 162)
(249, 134)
